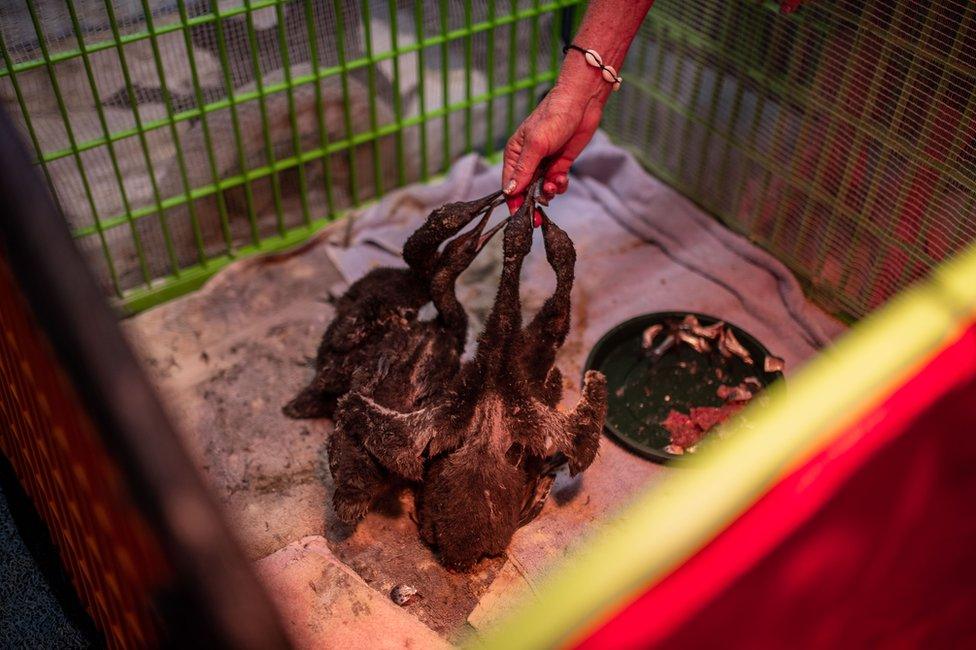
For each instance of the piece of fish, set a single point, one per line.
(403, 595)
(773, 364)
(738, 393)
(647, 338)
(728, 345)
(698, 343)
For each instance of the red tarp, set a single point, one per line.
(870, 543)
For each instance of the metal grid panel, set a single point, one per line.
(842, 138)
(182, 134)
(115, 562)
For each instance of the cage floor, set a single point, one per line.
(229, 356)
(227, 359)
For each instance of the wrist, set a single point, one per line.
(581, 81)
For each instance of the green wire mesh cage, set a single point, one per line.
(179, 135)
(841, 137)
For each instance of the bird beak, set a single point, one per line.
(486, 237)
(492, 201)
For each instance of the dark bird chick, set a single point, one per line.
(485, 446)
(384, 300)
(412, 367)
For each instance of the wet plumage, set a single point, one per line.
(480, 440)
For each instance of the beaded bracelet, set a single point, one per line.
(594, 59)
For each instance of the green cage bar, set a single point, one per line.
(418, 18)
(319, 106)
(265, 133)
(397, 93)
(468, 127)
(235, 124)
(490, 81)
(343, 74)
(445, 81)
(377, 170)
(512, 58)
(292, 116)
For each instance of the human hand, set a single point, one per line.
(563, 123)
(559, 128)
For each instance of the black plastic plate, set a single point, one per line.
(642, 392)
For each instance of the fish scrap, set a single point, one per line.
(403, 595)
(728, 345)
(647, 338)
(740, 393)
(773, 364)
(701, 338)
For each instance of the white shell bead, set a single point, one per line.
(593, 58)
(609, 74)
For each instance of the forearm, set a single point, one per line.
(608, 27)
(563, 123)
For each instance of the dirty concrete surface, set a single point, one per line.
(326, 605)
(226, 359)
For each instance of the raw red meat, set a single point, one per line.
(684, 432)
(688, 430)
(707, 417)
